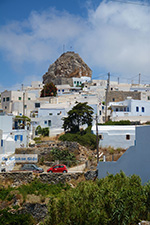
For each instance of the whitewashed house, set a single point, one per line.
(134, 161)
(130, 109)
(115, 136)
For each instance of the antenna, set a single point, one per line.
(63, 48)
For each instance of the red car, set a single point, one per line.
(60, 168)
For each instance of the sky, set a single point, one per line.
(110, 35)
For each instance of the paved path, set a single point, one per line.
(75, 169)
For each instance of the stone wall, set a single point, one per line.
(117, 96)
(19, 178)
(43, 149)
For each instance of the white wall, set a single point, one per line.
(115, 136)
(134, 161)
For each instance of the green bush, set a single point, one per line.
(121, 122)
(4, 192)
(113, 200)
(15, 218)
(84, 137)
(38, 188)
(62, 155)
(43, 131)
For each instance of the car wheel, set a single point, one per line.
(64, 171)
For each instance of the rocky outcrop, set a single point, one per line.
(67, 66)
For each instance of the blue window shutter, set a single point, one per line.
(16, 138)
(1, 143)
(21, 137)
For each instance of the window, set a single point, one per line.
(102, 107)
(49, 123)
(74, 82)
(18, 137)
(5, 107)
(25, 106)
(127, 137)
(143, 109)
(50, 114)
(1, 143)
(37, 105)
(148, 97)
(137, 109)
(45, 122)
(3, 99)
(19, 98)
(100, 113)
(113, 99)
(127, 109)
(101, 137)
(29, 98)
(116, 109)
(62, 90)
(7, 99)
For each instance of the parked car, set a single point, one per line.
(31, 167)
(60, 168)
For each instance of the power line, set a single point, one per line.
(132, 3)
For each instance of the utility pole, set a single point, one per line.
(97, 140)
(106, 96)
(118, 80)
(139, 78)
(23, 103)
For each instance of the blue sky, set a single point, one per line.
(110, 36)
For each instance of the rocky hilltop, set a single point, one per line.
(67, 66)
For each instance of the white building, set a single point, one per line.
(115, 136)
(134, 161)
(130, 109)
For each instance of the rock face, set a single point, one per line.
(67, 66)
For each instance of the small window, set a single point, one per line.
(25, 106)
(143, 109)
(1, 143)
(19, 98)
(45, 122)
(113, 99)
(137, 109)
(102, 107)
(5, 107)
(49, 123)
(7, 99)
(127, 109)
(74, 82)
(62, 90)
(29, 99)
(50, 114)
(101, 137)
(37, 105)
(127, 137)
(3, 99)
(100, 112)
(148, 98)
(116, 109)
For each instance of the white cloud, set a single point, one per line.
(114, 37)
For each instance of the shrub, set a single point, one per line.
(84, 137)
(15, 218)
(112, 200)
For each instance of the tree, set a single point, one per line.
(49, 90)
(79, 115)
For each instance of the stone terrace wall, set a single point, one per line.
(44, 148)
(19, 178)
